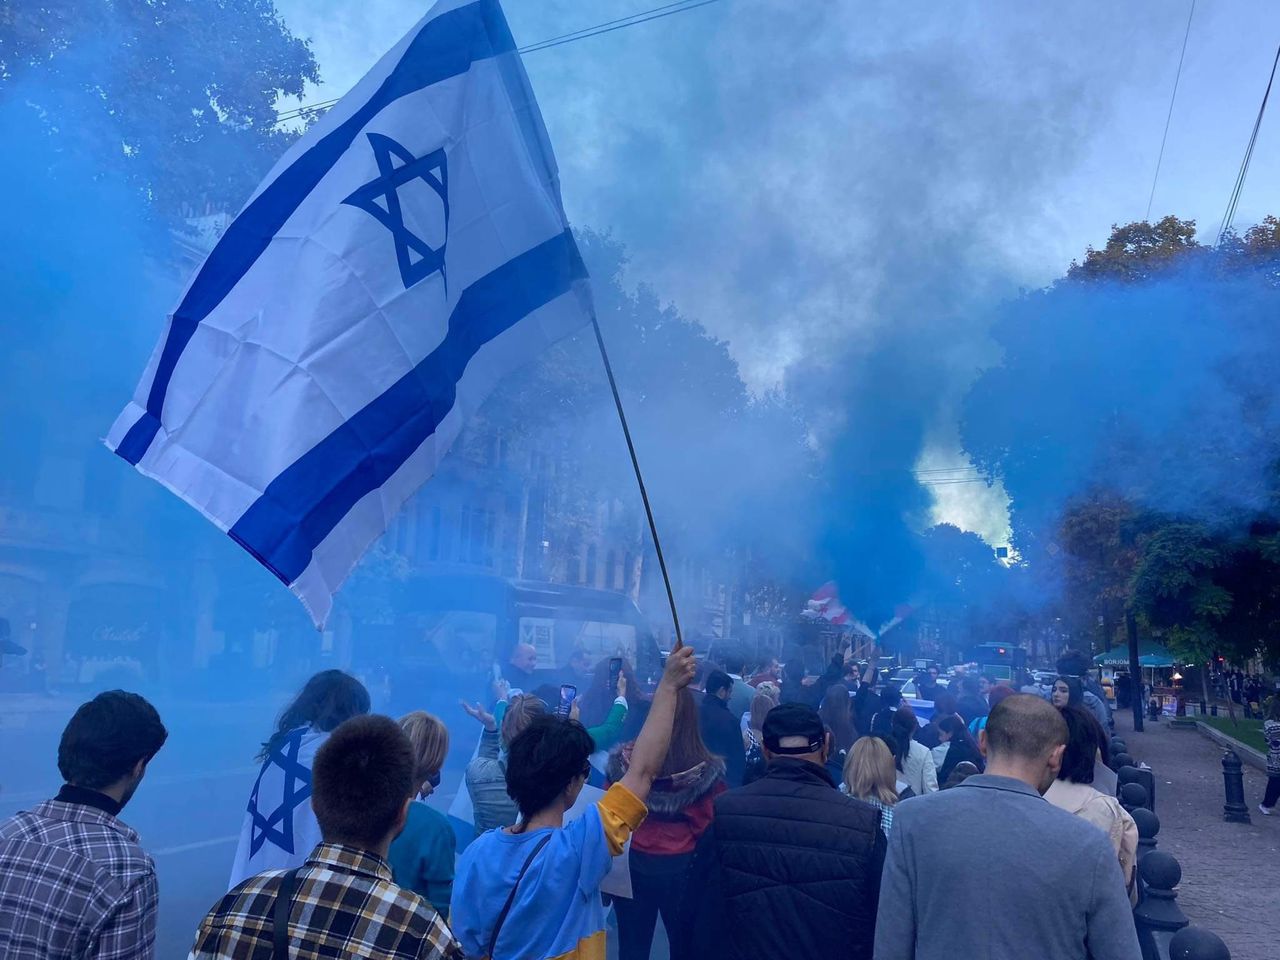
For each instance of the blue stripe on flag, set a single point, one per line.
(444, 48)
(304, 503)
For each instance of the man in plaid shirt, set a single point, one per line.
(344, 902)
(74, 881)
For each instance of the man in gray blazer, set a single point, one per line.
(989, 869)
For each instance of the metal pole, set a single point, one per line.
(644, 494)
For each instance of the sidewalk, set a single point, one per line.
(1230, 871)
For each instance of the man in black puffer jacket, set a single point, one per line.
(790, 867)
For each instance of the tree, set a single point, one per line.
(1097, 536)
(1138, 251)
(180, 96)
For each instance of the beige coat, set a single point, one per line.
(1107, 815)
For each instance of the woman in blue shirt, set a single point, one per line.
(422, 857)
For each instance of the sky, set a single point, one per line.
(839, 172)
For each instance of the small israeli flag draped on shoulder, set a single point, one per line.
(406, 253)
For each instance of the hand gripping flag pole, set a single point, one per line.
(644, 493)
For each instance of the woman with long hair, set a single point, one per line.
(681, 806)
(1067, 692)
(960, 746)
(422, 857)
(912, 758)
(869, 775)
(1074, 792)
(837, 715)
(324, 702)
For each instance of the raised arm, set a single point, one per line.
(650, 749)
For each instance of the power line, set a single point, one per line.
(609, 26)
(1172, 99)
(1230, 215)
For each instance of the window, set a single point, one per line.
(477, 536)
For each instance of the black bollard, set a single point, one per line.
(1148, 829)
(1193, 943)
(1235, 810)
(1158, 916)
(1118, 746)
(1133, 796)
(1138, 775)
(1119, 760)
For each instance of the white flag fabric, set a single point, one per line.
(406, 253)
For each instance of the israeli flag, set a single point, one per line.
(406, 254)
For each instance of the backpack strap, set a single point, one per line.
(280, 915)
(511, 897)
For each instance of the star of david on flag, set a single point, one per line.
(276, 824)
(406, 254)
(380, 198)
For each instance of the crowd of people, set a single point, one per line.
(781, 815)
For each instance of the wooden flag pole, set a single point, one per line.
(644, 494)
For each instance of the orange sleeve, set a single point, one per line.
(621, 812)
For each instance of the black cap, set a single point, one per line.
(793, 720)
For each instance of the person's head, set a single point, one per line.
(1068, 692)
(524, 657)
(795, 730)
(1025, 738)
(719, 685)
(522, 710)
(580, 663)
(760, 707)
(904, 728)
(430, 742)
(1273, 708)
(944, 705)
(985, 683)
(1085, 740)
(999, 692)
(1074, 663)
(362, 780)
(327, 700)
(547, 765)
(951, 727)
(869, 771)
(961, 772)
(734, 662)
(971, 686)
(108, 743)
(771, 690)
(934, 673)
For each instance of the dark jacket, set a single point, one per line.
(790, 867)
(972, 706)
(722, 733)
(958, 752)
(866, 703)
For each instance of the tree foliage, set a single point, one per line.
(179, 95)
(1132, 422)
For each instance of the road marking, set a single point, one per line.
(198, 845)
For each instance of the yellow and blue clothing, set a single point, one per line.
(422, 857)
(557, 913)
